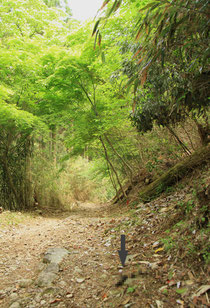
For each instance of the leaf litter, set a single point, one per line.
(90, 273)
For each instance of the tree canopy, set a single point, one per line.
(69, 90)
(171, 59)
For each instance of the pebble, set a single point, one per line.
(129, 282)
(15, 305)
(24, 283)
(62, 284)
(43, 302)
(80, 280)
(77, 270)
(38, 298)
(155, 244)
(13, 297)
(154, 266)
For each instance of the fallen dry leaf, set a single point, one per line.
(104, 296)
(56, 301)
(201, 290)
(159, 304)
(159, 249)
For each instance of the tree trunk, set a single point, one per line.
(112, 179)
(54, 147)
(204, 132)
(10, 182)
(188, 136)
(187, 151)
(174, 174)
(120, 157)
(112, 166)
(28, 176)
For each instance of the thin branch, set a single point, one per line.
(113, 168)
(120, 157)
(19, 28)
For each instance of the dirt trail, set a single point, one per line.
(83, 274)
(91, 275)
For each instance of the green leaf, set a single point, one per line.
(150, 5)
(131, 289)
(97, 32)
(181, 291)
(114, 7)
(96, 26)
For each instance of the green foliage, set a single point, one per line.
(63, 99)
(77, 180)
(169, 243)
(13, 118)
(187, 206)
(171, 60)
(131, 289)
(181, 291)
(14, 218)
(22, 33)
(206, 255)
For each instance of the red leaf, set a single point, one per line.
(56, 300)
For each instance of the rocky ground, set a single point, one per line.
(89, 273)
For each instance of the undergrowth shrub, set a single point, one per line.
(159, 150)
(62, 185)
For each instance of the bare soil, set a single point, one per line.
(92, 275)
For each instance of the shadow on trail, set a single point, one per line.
(83, 210)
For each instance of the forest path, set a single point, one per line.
(83, 279)
(91, 276)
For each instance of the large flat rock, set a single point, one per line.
(45, 279)
(55, 255)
